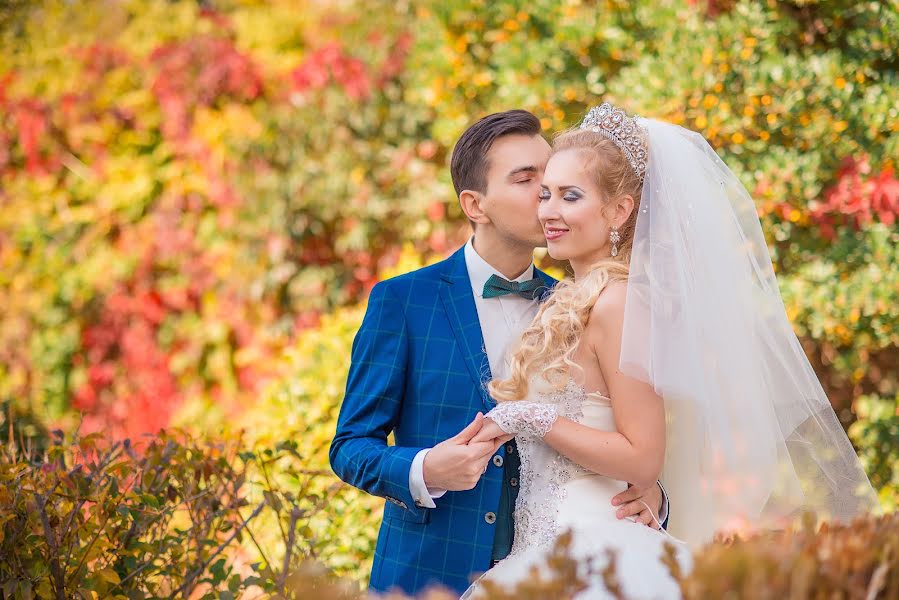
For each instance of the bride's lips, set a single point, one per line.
(554, 233)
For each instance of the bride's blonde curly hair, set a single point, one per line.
(547, 346)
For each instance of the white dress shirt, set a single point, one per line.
(503, 319)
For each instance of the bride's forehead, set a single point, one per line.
(566, 166)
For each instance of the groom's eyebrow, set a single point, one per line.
(528, 169)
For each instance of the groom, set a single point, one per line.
(429, 341)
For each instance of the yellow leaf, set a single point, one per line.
(109, 576)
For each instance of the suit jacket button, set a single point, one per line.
(498, 460)
(513, 482)
(490, 518)
(510, 448)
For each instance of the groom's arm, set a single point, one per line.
(371, 407)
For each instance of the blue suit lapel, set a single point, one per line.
(458, 301)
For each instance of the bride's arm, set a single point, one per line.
(635, 452)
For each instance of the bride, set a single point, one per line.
(669, 355)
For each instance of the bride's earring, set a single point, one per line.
(615, 238)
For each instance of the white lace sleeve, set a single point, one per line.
(534, 418)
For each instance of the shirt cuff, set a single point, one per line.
(423, 495)
(663, 511)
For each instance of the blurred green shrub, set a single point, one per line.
(170, 517)
(875, 433)
(177, 518)
(853, 561)
(187, 185)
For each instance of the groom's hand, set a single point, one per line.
(456, 465)
(629, 504)
(490, 431)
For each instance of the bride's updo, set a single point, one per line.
(547, 346)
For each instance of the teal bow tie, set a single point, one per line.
(497, 286)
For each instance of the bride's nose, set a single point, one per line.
(547, 211)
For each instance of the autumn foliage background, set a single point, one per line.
(196, 197)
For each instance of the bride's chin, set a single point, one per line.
(557, 253)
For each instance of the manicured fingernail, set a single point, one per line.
(615, 501)
(619, 514)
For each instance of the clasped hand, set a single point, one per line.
(457, 464)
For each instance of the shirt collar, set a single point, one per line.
(479, 270)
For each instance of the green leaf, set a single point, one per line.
(109, 576)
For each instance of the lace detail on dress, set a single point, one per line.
(531, 418)
(544, 473)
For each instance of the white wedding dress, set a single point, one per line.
(556, 494)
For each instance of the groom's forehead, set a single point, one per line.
(513, 153)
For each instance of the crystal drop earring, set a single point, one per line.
(615, 238)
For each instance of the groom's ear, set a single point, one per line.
(473, 206)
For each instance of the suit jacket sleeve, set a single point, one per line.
(665, 510)
(371, 407)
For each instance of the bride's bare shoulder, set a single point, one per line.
(610, 301)
(606, 318)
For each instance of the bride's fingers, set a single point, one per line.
(484, 448)
(481, 438)
(639, 512)
(502, 440)
(630, 509)
(628, 495)
(489, 432)
(648, 519)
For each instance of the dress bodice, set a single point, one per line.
(557, 495)
(555, 491)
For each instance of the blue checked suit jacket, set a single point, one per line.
(418, 370)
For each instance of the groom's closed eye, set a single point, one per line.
(523, 174)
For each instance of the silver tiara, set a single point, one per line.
(614, 124)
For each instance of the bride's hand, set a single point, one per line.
(635, 503)
(491, 431)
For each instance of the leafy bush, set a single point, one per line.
(169, 518)
(186, 186)
(184, 190)
(875, 434)
(855, 561)
(176, 518)
(169, 226)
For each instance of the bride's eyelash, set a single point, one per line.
(571, 196)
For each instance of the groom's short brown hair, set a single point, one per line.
(469, 163)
